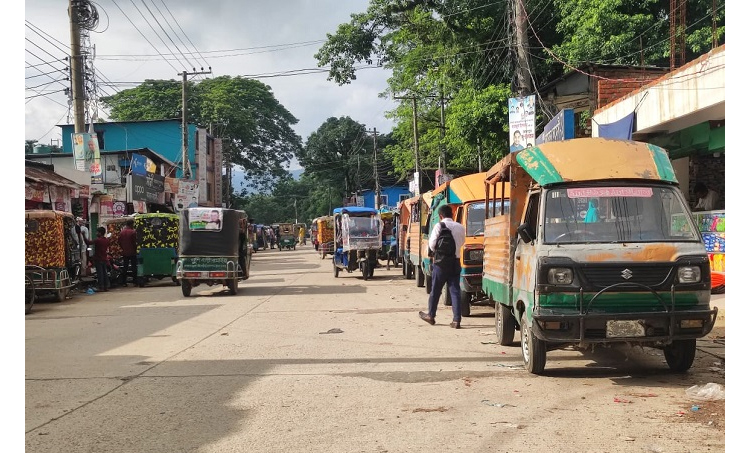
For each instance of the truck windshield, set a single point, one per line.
(617, 214)
(475, 217)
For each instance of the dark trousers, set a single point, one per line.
(129, 263)
(441, 277)
(102, 276)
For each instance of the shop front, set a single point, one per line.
(684, 113)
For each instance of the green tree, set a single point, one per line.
(256, 128)
(30, 146)
(339, 154)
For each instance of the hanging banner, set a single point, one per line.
(187, 195)
(522, 122)
(35, 192)
(87, 156)
(146, 188)
(119, 208)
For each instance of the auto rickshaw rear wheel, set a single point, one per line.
(141, 281)
(60, 294)
(365, 270)
(465, 304)
(186, 288)
(232, 285)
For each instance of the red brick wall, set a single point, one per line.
(623, 83)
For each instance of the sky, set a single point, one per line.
(272, 37)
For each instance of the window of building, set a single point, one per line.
(403, 196)
(209, 192)
(384, 200)
(100, 139)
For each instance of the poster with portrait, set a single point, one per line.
(208, 219)
(187, 195)
(522, 122)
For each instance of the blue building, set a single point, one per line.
(389, 196)
(162, 136)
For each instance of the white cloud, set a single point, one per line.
(217, 25)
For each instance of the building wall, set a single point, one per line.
(392, 193)
(620, 83)
(163, 137)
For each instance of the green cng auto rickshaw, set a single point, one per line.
(212, 248)
(287, 240)
(156, 240)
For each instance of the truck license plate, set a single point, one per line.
(625, 329)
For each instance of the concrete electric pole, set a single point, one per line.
(185, 161)
(76, 69)
(523, 69)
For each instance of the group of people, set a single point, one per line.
(100, 256)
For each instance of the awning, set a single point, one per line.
(48, 176)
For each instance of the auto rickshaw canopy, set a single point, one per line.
(587, 159)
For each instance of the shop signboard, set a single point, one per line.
(522, 122)
(146, 188)
(119, 208)
(35, 192)
(561, 127)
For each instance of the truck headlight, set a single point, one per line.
(560, 276)
(689, 274)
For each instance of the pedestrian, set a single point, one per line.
(446, 239)
(301, 235)
(708, 199)
(101, 251)
(84, 247)
(127, 241)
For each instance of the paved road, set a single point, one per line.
(147, 370)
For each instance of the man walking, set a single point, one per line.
(84, 247)
(126, 239)
(446, 239)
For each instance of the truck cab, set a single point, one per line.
(597, 246)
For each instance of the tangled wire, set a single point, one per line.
(88, 16)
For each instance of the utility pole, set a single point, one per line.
(479, 154)
(295, 211)
(375, 165)
(76, 68)
(523, 69)
(185, 162)
(442, 131)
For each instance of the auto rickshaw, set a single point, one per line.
(53, 260)
(324, 235)
(388, 219)
(357, 232)
(287, 240)
(212, 248)
(156, 240)
(314, 233)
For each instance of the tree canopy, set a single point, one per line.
(255, 128)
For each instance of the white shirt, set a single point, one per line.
(85, 234)
(708, 203)
(457, 231)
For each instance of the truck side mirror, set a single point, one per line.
(525, 232)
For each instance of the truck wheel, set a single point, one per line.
(409, 271)
(465, 304)
(505, 324)
(186, 288)
(534, 350)
(403, 268)
(428, 283)
(420, 277)
(680, 355)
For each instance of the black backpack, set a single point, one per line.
(445, 248)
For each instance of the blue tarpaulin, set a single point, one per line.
(621, 129)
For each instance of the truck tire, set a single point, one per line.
(533, 350)
(420, 277)
(680, 355)
(505, 324)
(428, 283)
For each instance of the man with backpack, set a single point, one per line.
(446, 239)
